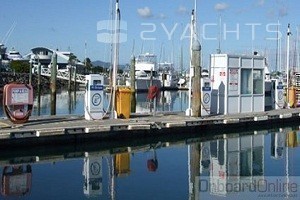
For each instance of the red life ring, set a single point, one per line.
(152, 165)
(153, 92)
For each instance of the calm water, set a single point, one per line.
(251, 165)
(73, 103)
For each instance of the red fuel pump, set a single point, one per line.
(18, 102)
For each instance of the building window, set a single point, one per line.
(257, 81)
(246, 81)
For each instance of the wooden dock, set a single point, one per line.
(55, 130)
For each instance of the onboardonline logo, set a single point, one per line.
(262, 187)
(106, 31)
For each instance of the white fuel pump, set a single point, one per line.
(94, 97)
(279, 94)
(206, 96)
(277, 145)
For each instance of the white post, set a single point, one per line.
(188, 112)
(116, 60)
(288, 64)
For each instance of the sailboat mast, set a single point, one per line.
(181, 60)
(295, 58)
(85, 54)
(280, 56)
(297, 51)
(277, 46)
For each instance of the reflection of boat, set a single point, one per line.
(165, 102)
(167, 75)
(146, 72)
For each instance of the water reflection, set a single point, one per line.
(237, 165)
(232, 161)
(67, 103)
(16, 180)
(73, 103)
(234, 165)
(92, 172)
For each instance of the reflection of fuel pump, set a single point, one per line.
(92, 172)
(205, 156)
(206, 96)
(94, 97)
(277, 145)
(279, 94)
(16, 180)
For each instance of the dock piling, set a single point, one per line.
(196, 87)
(132, 84)
(53, 83)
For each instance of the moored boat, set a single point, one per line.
(146, 74)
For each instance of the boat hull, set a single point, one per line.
(143, 84)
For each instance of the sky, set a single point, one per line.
(155, 26)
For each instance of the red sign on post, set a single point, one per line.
(222, 74)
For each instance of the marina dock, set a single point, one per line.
(58, 130)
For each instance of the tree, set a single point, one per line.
(72, 59)
(20, 66)
(97, 69)
(88, 65)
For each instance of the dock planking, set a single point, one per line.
(65, 129)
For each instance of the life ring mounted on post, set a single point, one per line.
(18, 102)
(153, 92)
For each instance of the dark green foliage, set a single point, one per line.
(20, 66)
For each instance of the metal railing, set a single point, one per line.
(63, 75)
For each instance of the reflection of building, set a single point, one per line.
(92, 172)
(16, 180)
(233, 161)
